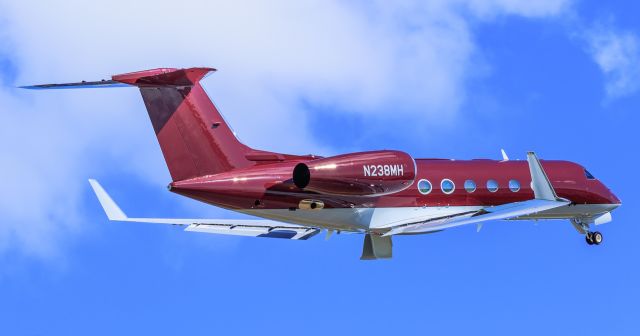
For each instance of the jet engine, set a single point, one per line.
(358, 174)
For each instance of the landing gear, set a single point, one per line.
(583, 226)
(594, 238)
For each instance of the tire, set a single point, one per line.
(596, 237)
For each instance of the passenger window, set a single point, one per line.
(492, 185)
(424, 187)
(588, 175)
(447, 186)
(514, 185)
(469, 186)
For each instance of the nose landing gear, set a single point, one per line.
(583, 226)
(594, 238)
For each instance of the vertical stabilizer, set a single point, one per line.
(194, 138)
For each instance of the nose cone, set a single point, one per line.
(596, 193)
(613, 199)
(607, 196)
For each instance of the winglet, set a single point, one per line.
(540, 183)
(110, 207)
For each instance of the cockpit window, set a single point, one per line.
(588, 175)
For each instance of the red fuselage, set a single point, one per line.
(271, 186)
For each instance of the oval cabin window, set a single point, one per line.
(424, 187)
(469, 186)
(447, 186)
(492, 185)
(514, 185)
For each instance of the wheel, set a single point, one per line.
(589, 238)
(596, 237)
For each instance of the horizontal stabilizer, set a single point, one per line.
(236, 227)
(167, 77)
(79, 85)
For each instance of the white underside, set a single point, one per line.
(359, 219)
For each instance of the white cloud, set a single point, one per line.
(535, 8)
(403, 58)
(617, 53)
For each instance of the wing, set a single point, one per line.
(545, 199)
(237, 227)
(505, 211)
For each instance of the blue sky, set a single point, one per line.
(458, 79)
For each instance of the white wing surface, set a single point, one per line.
(237, 227)
(505, 211)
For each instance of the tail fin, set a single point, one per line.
(194, 138)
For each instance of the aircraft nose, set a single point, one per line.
(606, 196)
(613, 199)
(610, 197)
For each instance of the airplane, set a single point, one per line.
(379, 194)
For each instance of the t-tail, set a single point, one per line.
(194, 137)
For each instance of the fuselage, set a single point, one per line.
(441, 187)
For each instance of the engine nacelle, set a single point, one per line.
(358, 174)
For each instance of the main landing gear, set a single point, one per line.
(594, 238)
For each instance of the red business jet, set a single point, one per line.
(379, 194)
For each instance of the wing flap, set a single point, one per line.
(286, 232)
